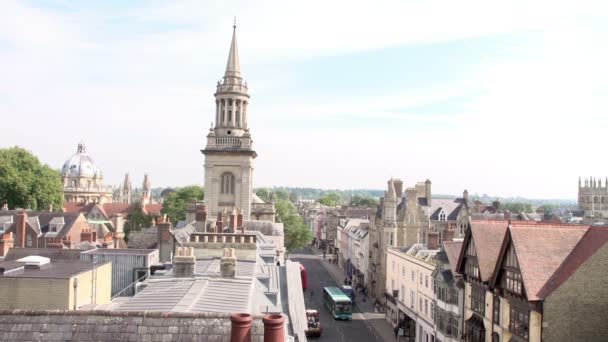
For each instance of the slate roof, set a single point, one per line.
(22, 325)
(39, 221)
(594, 239)
(540, 249)
(451, 207)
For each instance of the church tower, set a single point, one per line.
(229, 152)
(126, 189)
(146, 193)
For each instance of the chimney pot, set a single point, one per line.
(274, 328)
(228, 263)
(241, 327)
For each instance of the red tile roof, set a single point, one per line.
(153, 208)
(77, 207)
(452, 250)
(488, 236)
(540, 247)
(116, 208)
(593, 240)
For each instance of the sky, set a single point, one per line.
(498, 97)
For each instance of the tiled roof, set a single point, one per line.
(116, 208)
(20, 325)
(77, 207)
(487, 237)
(153, 208)
(540, 249)
(594, 239)
(452, 250)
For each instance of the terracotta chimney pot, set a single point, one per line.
(274, 328)
(241, 327)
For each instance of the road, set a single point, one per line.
(333, 330)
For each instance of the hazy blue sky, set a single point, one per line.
(503, 98)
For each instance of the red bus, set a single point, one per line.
(304, 277)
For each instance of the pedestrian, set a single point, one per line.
(312, 293)
(323, 254)
(345, 281)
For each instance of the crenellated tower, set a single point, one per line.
(593, 197)
(126, 189)
(146, 190)
(229, 152)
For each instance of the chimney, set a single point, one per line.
(201, 213)
(6, 243)
(228, 263)
(239, 222)
(183, 262)
(233, 216)
(398, 189)
(465, 195)
(219, 224)
(4, 207)
(54, 243)
(448, 235)
(241, 327)
(191, 211)
(427, 191)
(108, 241)
(274, 328)
(433, 241)
(86, 235)
(119, 225)
(67, 242)
(20, 228)
(164, 240)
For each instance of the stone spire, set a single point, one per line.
(126, 189)
(146, 192)
(233, 68)
(147, 186)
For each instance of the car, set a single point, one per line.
(314, 325)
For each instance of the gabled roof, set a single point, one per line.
(487, 237)
(594, 238)
(540, 249)
(115, 208)
(452, 250)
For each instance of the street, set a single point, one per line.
(359, 329)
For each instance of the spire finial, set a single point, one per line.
(234, 25)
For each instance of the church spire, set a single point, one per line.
(233, 68)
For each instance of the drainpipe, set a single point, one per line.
(274, 328)
(75, 293)
(241, 327)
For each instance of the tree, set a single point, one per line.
(264, 194)
(330, 199)
(176, 202)
(136, 219)
(26, 183)
(518, 207)
(364, 201)
(297, 234)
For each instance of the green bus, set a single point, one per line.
(338, 304)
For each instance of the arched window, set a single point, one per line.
(227, 183)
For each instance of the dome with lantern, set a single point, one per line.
(80, 165)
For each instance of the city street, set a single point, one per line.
(359, 329)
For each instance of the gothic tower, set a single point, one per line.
(146, 192)
(229, 152)
(126, 190)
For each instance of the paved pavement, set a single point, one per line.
(365, 326)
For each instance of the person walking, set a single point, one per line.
(312, 293)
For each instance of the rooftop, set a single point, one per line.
(56, 269)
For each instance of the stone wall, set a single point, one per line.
(22, 325)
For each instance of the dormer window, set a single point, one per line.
(442, 216)
(512, 280)
(471, 265)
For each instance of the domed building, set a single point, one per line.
(83, 181)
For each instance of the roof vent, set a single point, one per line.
(34, 261)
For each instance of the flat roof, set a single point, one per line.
(129, 251)
(56, 269)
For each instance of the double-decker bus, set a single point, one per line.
(338, 304)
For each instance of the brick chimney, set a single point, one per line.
(54, 243)
(448, 235)
(67, 242)
(241, 327)
(184, 262)
(274, 328)
(108, 241)
(433, 240)
(219, 224)
(239, 222)
(201, 213)
(233, 219)
(20, 228)
(7, 242)
(228, 263)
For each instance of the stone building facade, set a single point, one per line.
(411, 216)
(593, 198)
